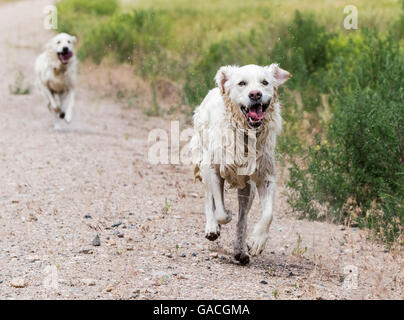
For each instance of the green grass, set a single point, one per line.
(354, 170)
(227, 18)
(176, 34)
(78, 16)
(19, 87)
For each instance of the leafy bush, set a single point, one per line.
(137, 37)
(302, 47)
(398, 26)
(19, 87)
(357, 174)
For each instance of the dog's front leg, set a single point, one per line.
(212, 228)
(52, 101)
(259, 236)
(69, 109)
(245, 199)
(215, 184)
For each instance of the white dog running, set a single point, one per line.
(56, 75)
(243, 108)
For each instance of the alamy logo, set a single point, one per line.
(233, 147)
(351, 277)
(51, 278)
(51, 18)
(351, 20)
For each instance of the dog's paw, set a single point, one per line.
(57, 127)
(224, 217)
(68, 116)
(242, 257)
(212, 232)
(256, 243)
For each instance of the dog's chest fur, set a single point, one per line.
(58, 82)
(223, 129)
(254, 161)
(60, 77)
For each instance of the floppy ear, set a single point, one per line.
(73, 39)
(222, 76)
(280, 75)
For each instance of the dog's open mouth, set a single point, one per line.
(64, 57)
(254, 113)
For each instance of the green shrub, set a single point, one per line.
(357, 172)
(302, 47)
(19, 87)
(398, 26)
(138, 37)
(75, 16)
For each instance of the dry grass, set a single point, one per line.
(119, 82)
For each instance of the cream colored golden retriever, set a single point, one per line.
(56, 75)
(235, 130)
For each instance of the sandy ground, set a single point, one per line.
(60, 189)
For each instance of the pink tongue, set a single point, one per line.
(256, 114)
(66, 57)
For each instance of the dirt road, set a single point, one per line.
(60, 189)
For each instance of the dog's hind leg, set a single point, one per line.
(215, 184)
(54, 105)
(56, 123)
(245, 200)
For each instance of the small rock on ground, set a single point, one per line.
(115, 225)
(86, 251)
(88, 282)
(96, 241)
(18, 282)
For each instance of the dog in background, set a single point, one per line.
(244, 107)
(56, 76)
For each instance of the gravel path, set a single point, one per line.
(59, 190)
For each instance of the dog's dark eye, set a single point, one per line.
(58, 42)
(68, 41)
(265, 83)
(242, 83)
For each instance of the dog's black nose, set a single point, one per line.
(255, 95)
(65, 49)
